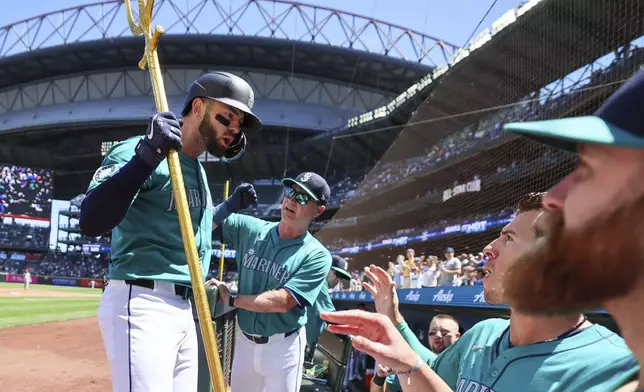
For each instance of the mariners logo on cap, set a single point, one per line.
(305, 177)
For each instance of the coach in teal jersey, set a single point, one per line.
(144, 314)
(282, 269)
(527, 353)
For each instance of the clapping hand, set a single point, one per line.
(383, 290)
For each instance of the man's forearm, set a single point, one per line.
(274, 301)
(423, 380)
(411, 339)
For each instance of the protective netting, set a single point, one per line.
(225, 335)
(452, 177)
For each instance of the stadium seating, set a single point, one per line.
(23, 237)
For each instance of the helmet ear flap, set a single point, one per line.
(236, 149)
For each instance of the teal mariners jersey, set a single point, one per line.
(483, 360)
(315, 325)
(147, 243)
(265, 262)
(393, 382)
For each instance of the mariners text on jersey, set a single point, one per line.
(266, 262)
(269, 267)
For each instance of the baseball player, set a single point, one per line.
(530, 352)
(315, 326)
(144, 314)
(593, 227)
(282, 269)
(27, 279)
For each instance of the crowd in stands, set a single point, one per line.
(25, 191)
(23, 236)
(337, 243)
(424, 271)
(73, 264)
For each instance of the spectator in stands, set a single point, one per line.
(430, 274)
(354, 283)
(479, 274)
(414, 277)
(397, 276)
(404, 266)
(450, 269)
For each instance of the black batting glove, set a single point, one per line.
(163, 135)
(243, 197)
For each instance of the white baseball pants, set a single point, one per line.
(272, 367)
(150, 338)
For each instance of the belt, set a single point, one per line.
(182, 291)
(264, 339)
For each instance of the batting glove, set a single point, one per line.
(243, 197)
(163, 135)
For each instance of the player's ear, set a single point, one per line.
(320, 211)
(198, 108)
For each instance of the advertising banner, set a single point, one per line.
(20, 278)
(98, 283)
(462, 296)
(65, 281)
(465, 296)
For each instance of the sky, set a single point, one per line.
(450, 20)
(453, 21)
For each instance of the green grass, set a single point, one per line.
(36, 310)
(19, 286)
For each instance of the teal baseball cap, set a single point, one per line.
(618, 122)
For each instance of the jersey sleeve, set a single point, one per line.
(426, 354)
(309, 278)
(447, 364)
(236, 224)
(120, 154)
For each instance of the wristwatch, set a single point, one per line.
(231, 299)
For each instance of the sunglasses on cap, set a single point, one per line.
(300, 198)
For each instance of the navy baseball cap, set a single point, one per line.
(449, 250)
(313, 184)
(618, 122)
(340, 266)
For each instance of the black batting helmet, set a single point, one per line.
(226, 88)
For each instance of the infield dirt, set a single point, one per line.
(63, 356)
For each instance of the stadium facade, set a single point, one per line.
(70, 87)
(407, 127)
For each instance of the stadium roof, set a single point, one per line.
(291, 37)
(526, 50)
(260, 35)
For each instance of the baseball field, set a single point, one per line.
(49, 339)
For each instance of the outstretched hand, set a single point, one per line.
(383, 290)
(375, 335)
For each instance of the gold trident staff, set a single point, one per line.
(223, 246)
(151, 59)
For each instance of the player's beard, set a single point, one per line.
(208, 134)
(571, 271)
